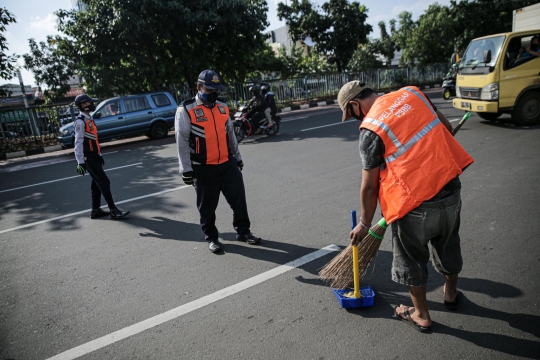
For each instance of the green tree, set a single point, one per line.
(8, 67)
(402, 34)
(433, 37)
(479, 18)
(364, 57)
(337, 30)
(385, 45)
(133, 46)
(50, 67)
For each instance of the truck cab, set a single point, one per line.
(496, 77)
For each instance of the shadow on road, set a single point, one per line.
(387, 297)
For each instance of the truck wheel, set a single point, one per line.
(489, 116)
(159, 130)
(527, 111)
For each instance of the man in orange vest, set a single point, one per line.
(411, 165)
(210, 160)
(88, 154)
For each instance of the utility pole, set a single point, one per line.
(33, 126)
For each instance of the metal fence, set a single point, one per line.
(37, 126)
(326, 86)
(24, 129)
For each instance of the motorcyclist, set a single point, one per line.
(271, 107)
(255, 108)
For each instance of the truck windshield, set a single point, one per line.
(473, 61)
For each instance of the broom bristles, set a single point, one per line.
(339, 271)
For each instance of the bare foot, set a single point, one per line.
(425, 322)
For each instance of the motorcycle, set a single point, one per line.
(243, 126)
(449, 83)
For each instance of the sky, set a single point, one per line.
(35, 19)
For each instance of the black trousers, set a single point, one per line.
(210, 181)
(101, 184)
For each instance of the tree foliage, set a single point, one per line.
(50, 67)
(8, 67)
(140, 45)
(364, 57)
(337, 30)
(443, 30)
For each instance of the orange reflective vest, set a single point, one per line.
(209, 139)
(90, 143)
(421, 156)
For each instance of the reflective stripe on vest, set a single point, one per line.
(421, 156)
(209, 142)
(90, 143)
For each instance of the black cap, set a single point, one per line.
(211, 80)
(82, 98)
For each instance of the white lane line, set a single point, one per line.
(318, 127)
(43, 163)
(70, 177)
(189, 307)
(88, 210)
(296, 118)
(453, 120)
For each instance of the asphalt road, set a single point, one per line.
(147, 287)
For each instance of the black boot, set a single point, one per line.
(214, 246)
(248, 238)
(116, 213)
(97, 213)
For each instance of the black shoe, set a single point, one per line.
(118, 214)
(97, 213)
(214, 246)
(248, 238)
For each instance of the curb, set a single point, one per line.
(18, 154)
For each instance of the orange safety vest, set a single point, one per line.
(90, 143)
(421, 156)
(209, 139)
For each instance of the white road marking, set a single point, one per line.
(453, 120)
(318, 127)
(296, 118)
(70, 177)
(88, 210)
(189, 307)
(43, 163)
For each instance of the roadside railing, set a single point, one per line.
(37, 126)
(318, 87)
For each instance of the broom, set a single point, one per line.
(339, 272)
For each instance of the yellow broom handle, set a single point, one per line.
(356, 272)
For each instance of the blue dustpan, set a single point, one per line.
(358, 296)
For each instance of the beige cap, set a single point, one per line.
(346, 94)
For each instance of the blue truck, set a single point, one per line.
(151, 114)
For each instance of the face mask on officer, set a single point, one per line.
(211, 98)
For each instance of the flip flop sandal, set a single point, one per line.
(454, 305)
(409, 321)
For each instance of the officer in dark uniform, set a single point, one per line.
(210, 160)
(88, 155)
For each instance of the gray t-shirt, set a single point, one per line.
(372, 149)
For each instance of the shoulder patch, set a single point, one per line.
(222, 109)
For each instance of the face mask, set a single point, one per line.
(90, 108)
(357, 117)
(211, 98)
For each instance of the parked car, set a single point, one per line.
(151, 114)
